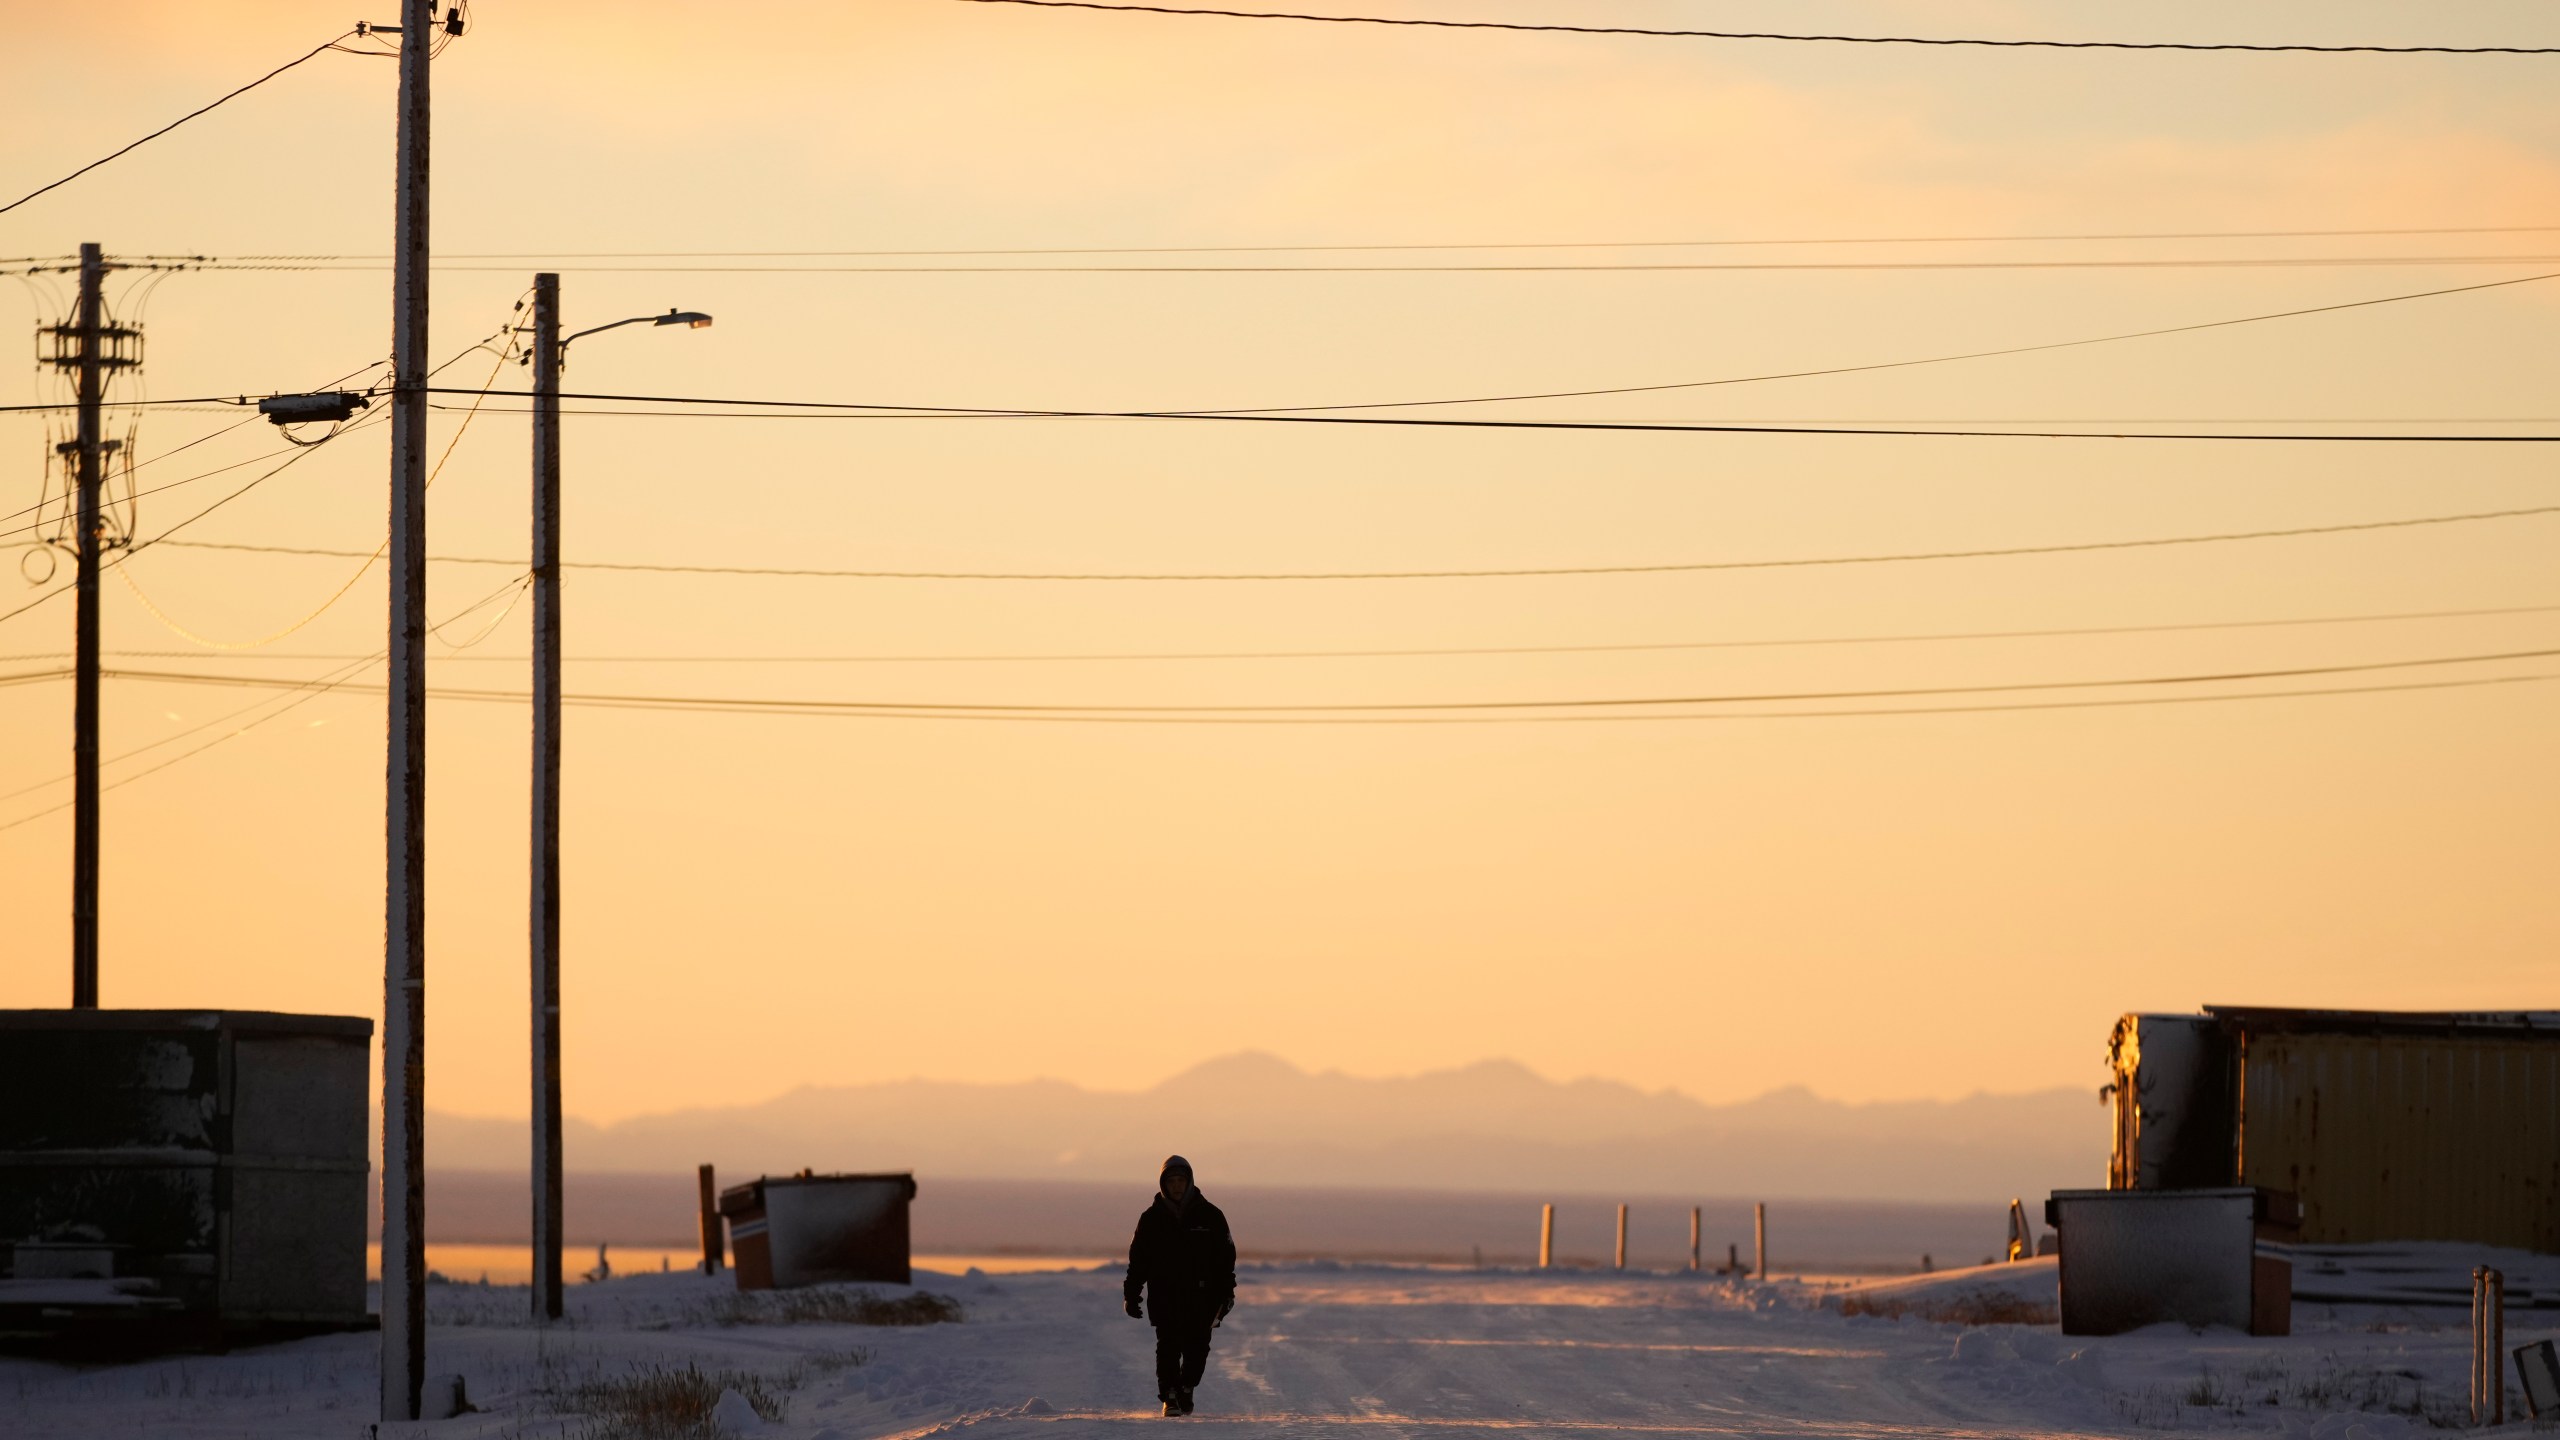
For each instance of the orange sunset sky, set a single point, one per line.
(1881, 906)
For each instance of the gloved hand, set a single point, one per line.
(1136, 1310)
(1223, 1307)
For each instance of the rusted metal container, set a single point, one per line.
(211, 1161)
(811, 1229)
(2131, 1258)
(2390, 1125)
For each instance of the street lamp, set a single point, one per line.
(690, 319)
(550, 353)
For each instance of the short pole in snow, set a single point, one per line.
(1695, 1261)
(2488, 1345)
(713, 1246)
(1760, 1241)
(1622, 1237)
(1546, 1236)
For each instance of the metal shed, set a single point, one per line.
(810, 1229)
(2389, 1125)
(210, 1160)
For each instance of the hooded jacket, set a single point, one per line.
(1184, 1260)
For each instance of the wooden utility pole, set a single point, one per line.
(404, 960)
(91, 372)
(547, 1163)
(1759, 1242)
(1546, 1236)
(1622, 1237)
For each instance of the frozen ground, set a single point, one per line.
(1316, 1352)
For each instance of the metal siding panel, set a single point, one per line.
(301, 1095)
(2408, 1137)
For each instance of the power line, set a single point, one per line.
(540, 256)
(2111, 420)
(125, 556)
(1585, 393)
(1869, 367)
(1620, 717)
(2272, 262)
(346, 672)
(122, 404)
(1654, 717)
(1901, 638)
(1934, 359)
(157, 489)
(451, 443)
(1680, 567)
(1604, 703)
(315, 687)
(1438, 422)
(316, 52)
(2187, 45)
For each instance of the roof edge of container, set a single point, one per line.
(2514, 1024)
(283, 1021)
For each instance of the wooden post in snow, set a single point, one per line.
(1760, 1241)
(713, 1248)
(2488, 1346)
(1622, 1237)
(1546, 1236)
(1696, 1262)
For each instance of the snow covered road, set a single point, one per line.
(1312, 1353)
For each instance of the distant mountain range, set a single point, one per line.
(1258, 1120)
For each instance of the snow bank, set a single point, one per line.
(2024, 1292)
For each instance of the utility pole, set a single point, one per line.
(404, 961)
(547, 1163)
(84, 691)
(549, 354)
(89, 349)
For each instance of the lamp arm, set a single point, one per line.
(616, 325)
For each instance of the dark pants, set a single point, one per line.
(1182, 1356)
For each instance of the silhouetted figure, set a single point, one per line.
(1182, 1264)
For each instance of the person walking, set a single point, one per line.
(1182, 1276)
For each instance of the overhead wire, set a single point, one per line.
(2263, 48)
(2120, 236)
(857, 409)
(1581, 393)
(315, 52)
(125, 556)
(1863, 368)
(1420, 652)
(742, 704)
(362, 570)
(308, 691)
(1948, 359)
(2274, 262)
(1490, 573)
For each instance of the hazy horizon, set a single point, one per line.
(1252, 1118)
(1145, 1087)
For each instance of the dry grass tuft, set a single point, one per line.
(830, 1305)
(661, 1402)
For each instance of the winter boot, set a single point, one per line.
(1173, 1404)
(1183, 1399)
